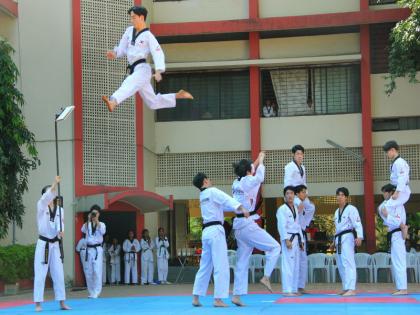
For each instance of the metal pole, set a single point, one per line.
(58, 172)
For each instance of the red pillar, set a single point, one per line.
(254, 84)
(370, 236)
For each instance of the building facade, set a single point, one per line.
(321, 63)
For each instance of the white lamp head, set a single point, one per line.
(64, 113)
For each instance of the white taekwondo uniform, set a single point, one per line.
(147, 263)
(162, 255)
(294, 175)
(305, 218)
(139, 81)
(345, 225)
(115, 261)
(47, 252)
(213, 202)
(130, 260)
(94, 257)
(81, 248)
(400, 178)
(248, 234)
(289, 229)
(396, 216)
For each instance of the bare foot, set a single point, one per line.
(65, 307)
(184, 95)
(266, 282)
(349, 293)
(111, 104)
(196, 301)
(342, 292)
(400, 292)
(219, 303)
(290, 294)
(38, 307)
(404, 231)
(302, 291)
(237, 300)
(298, 293)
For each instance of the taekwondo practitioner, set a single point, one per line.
(137, 43)
(48, 253)
(306, 210)
(106, 266)
(294, 171)
(292, 242)
(400, 172)
(348, 233)
(248, 233)
(147, 263)
(131, 247)
(162, 254)
(115, 261)
(213, 202)
(394, 216)
(81, 248)
(94, 230)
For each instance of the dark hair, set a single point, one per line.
(392, 144)
(144, 232)
(291, 188)
(95, 207)
(388, 188)
(138, 10)
(199, 180)
(161, 229)
(242, 167)
(44, 190)
(300, 188)
(298, 147)
(343, 190)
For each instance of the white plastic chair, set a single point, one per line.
(418, 266)
(333, 267)
(364, 261)
(256, 262)
(381, 261)
(232, 259)
(412, 264)
(277, 268)
(318, 261)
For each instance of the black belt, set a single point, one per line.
(96, 250)
(47, 247)
(241, 215)
(339, 235)
(389, 237)
(131, 254)
(292, 237)
(211, 223)
(130, 68)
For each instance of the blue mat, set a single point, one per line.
(256, 304)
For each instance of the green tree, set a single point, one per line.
(18, 154)
(404, 52)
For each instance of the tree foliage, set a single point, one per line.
(18, 154)
(404, 51)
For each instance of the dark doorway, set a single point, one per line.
(118, 223)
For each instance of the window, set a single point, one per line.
(313, 90)
(217, 95)
(398, 123)
(380, 2)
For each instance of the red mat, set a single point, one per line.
(14, 303)
(347, 300)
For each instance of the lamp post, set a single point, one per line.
(61, 115)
